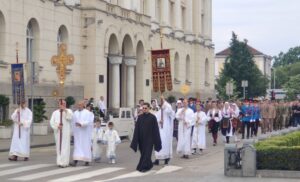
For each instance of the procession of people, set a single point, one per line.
(157, 125)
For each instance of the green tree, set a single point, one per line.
(39, 112)
(293, 87)
(292, 56)
(239, 65)
(283, 74)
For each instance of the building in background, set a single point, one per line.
(111, 42)
(262, 61)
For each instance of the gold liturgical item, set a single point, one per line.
(185, 89)
(61, 61)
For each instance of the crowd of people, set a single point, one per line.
(156, 124)
(89, 137)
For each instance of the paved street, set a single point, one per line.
(41, 167)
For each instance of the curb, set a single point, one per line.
(32, 146)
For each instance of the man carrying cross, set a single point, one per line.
(61, 123)
(20, 144)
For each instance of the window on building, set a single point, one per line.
(29, 42)
(176, 66)
(62, 36)
(2, 36)
(188, 68)
(172, 14)
(206, 72)
(183, 15)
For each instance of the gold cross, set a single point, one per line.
(61, 61)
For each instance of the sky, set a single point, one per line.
(270, 26)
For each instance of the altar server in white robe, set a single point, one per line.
(185, 117)
(62, 133)
(199, 138)
(166, 126)
(20, 144)
(111, 139)
(82, 135)
(97, 138)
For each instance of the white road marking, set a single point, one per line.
(8, 165)
(23, 169)
(87, 175)
(168, 169)
(47, 173)
(130, 175)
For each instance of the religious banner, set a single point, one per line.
(161, 70)
(18, 90)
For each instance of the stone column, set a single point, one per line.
(115, 62)
(130, 63)
(165, 17)
(189, 36)
(178, 23)
(151, 7)
(136, 5)
(207, 21)
(126, 4)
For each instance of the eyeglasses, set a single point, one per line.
(145, 108)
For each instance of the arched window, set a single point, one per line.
(176, 66)
(62, 36)
(187, 69)
(206, 72)
(32, 37)
(2, 36)
(29, 42)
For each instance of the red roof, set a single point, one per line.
(253, 51)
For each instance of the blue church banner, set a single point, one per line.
(17, 77)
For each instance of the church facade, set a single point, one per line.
(111, 42)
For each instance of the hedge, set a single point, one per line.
(279, 153)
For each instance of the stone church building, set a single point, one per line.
(111, 42)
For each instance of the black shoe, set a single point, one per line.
(13, 158)
(156, 162)
(167, 161)
(194, 152)
(87, 164)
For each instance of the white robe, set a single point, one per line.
(82, 136)
(184, 130)
(97, 138)
(199, 138)
(166, 132)
(63, 155)
(111, 139)
(21, 146)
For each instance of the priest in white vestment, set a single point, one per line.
(82, 122)
(185, 117)
(60, 122)
(166, 126)
(199, 135)
(20, 144)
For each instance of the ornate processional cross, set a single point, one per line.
(61, 61)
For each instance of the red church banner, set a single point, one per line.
(161, 70)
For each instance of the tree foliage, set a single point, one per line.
(239, 65)
(293, 87)
(283, 59)
(284, 73)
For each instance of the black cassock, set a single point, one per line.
(146, 136)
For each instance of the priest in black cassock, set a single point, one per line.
(145, 137)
